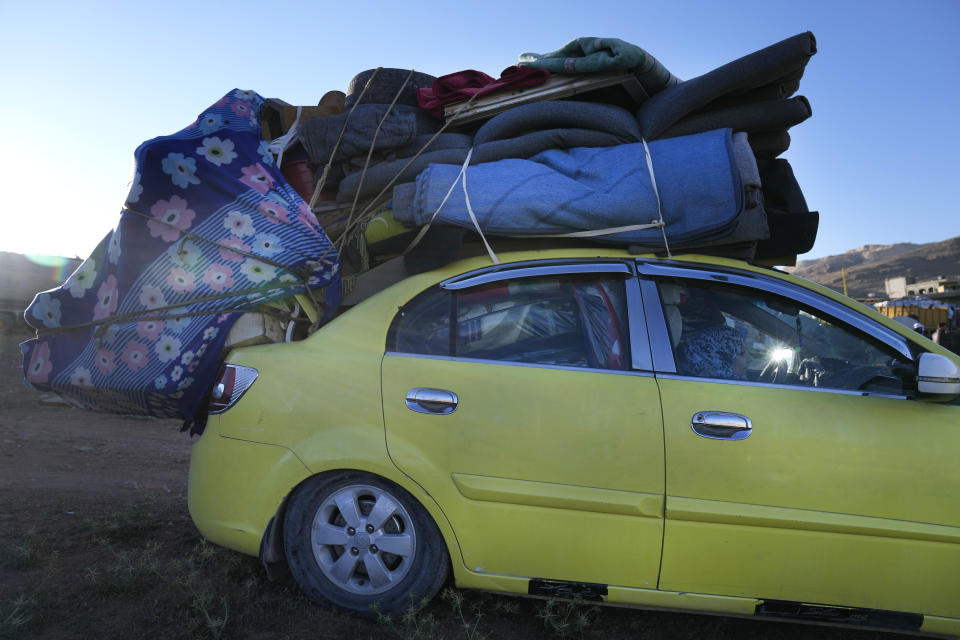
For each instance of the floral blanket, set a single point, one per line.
(210, 229)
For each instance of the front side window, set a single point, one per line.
(576, 321)
(718, 330)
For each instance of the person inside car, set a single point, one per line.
(713, 352)
(708, 347)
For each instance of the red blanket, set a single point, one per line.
(462, 85)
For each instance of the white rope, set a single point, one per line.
(288, 334)
(462, 179)
(366, 164)
(654, 224)
(653, 183)
(424, 228)
(278, 145)
(333, 152)
(371, 209)
(590, 233)
(473, 217)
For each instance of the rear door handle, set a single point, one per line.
(720, 425)
(438, 401)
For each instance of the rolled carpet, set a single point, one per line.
(771, 65)
(754, 117)
(700, 186)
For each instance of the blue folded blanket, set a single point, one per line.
(572, 190)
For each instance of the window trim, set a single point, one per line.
(660, 347)
(773, 385)
(831, 308)
(641, 354)
(641, 359)
(531, 269)
(513, 363)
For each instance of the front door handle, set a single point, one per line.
(438, 401)
(720, 425)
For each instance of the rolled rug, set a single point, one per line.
(699, 181)
(761, 68)
(769, 144)
(402, 125)
(754, 117)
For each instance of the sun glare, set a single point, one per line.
(781, 354)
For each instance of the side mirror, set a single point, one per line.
(938, 377)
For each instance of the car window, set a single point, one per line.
(566, 321)
(718, 330)
(423, 325)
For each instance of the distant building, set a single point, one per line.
(929, 301)
(941, 288)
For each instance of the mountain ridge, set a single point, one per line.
(869, 265)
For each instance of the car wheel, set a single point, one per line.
(359, 541)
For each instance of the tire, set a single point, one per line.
(385, 86)
(334, 529)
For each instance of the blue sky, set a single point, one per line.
(85, 83)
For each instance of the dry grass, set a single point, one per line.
(142, 569)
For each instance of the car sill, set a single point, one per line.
(869, 618)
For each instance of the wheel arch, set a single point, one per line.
(271, 553)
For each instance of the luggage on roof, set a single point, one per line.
(594, 142)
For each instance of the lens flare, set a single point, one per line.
(781, 354)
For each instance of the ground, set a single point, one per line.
(96, 542)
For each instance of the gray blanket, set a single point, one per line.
(518, 133)
(402, 126)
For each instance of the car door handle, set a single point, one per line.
(432, 401)
(719, 425)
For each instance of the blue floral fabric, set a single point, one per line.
(210, 229)
(710, 353)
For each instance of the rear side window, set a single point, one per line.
(423, 325)
(561, 321)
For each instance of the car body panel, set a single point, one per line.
(319, 398)
(799, 564)
(816, 460)
(862, 514)
(825, 489)
(559, 496)
(228, 498)
(936, 625)
(839, 510)
(565, 431)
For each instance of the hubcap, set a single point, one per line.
(363, 539)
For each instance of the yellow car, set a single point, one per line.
(692, 433)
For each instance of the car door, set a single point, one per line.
(800, 467)
(515, 397)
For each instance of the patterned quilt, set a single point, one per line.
(210, 229)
